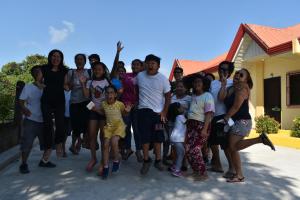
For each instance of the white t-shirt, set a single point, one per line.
(152, 90)
(31, 94)
(214, 90)
(200, 105)
(178, 132)
(184, 102)
(97, 91)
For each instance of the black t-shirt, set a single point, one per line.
(54, 91)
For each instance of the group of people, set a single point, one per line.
(116, 105)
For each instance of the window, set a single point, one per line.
(293, 89)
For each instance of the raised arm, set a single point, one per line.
(222, 92)
(86, 91)
(116, 60)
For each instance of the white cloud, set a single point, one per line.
(29, 44)
(59, 35)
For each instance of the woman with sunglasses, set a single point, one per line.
(236, 99)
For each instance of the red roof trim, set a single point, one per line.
(236, 42)
(172, 70)
(244, 28)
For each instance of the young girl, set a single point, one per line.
(95, 89)
(176, 115)
(199, 115)
(114, 128)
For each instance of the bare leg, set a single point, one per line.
(243, 144)
(215, 161)
(235, 156)
(105, 159)
(146, 151)
(93, 131)
(229, 160)
(115, 147)
(157, 148)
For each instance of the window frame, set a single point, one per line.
(288, 104)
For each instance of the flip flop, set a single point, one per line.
(235, 180)
(229, 175)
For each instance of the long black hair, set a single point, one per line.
(61, 64)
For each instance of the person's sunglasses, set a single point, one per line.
(224, 69)
(241, 75)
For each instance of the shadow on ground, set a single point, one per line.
(70, 181)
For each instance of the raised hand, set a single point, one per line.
(119, 47)
(82, 79)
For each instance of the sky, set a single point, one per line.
(184, 29)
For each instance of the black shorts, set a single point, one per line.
(151, 129)
(217, 135)
(96, 116)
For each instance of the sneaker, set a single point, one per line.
(105, 173)
(158, 165)
(46, 164)
(145, 167)
(139, 156)
(116, 166)
(177, 173)
(24, 168)
(266, 141)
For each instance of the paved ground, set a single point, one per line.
(269, 175)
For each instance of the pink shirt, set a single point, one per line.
(129, 95)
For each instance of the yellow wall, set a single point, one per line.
(273, 67)
(280, 66)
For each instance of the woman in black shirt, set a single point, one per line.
(53, 101)
(236, 99)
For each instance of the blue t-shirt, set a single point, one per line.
(117, 83)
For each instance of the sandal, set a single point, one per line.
(229, 175)
(235, 179)
(266, 141)
(91, 165)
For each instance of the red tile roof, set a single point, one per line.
(191, 67)
(275, 36)
(271, 40)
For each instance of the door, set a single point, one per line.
(272, 97)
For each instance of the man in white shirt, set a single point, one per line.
(154, 100)
(217, 136)
(30, 102)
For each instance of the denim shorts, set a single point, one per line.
(241, 127)
(31, 130)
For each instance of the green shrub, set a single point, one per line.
(266, 124)
(296, 128)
